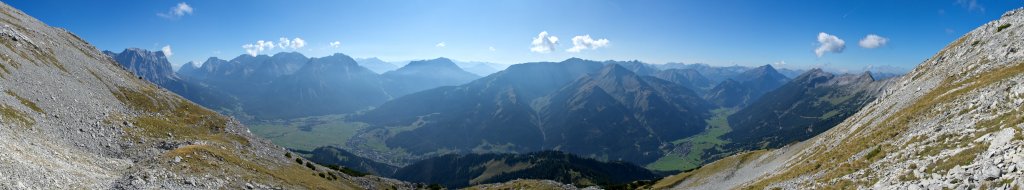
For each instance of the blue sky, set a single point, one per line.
(720, 32)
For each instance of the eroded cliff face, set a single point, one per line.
(953, 122)
(70, 117)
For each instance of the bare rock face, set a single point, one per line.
(72, 118)
(954, 122)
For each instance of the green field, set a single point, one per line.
(308, 133)
(718, 125)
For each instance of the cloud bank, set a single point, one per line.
(266, 45)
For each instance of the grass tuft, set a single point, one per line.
(26, 102)
(12, 115)
(1003, 27)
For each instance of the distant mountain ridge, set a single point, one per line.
(537, 106)
(746, 87)
(425, 74)
(376, 65)
(289, 84)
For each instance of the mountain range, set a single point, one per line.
(626, 115)
(620, 111)
(289, 85)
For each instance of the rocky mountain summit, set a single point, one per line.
(72, 118)
(150, 65)
(954, 122)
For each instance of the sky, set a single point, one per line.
(852, 35)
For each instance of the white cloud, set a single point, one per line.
(298, 43)
(178, 11)
(971, 5)
(585, 42)
(167, 50)
(779, 63)
(492, 48)
(440, 45)
(259, 47)
(544, 43)
(335, 44)
(829, 43)
(294, 43)
(266, 45)
(873, 41)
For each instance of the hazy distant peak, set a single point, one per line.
(190, 64)
(439, 63)
(573, 59)
(288, 54)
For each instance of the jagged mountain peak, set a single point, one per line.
(151, 65)
(867, 76)
(143, 52)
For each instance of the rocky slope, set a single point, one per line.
(954, 122)
(72, 118)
